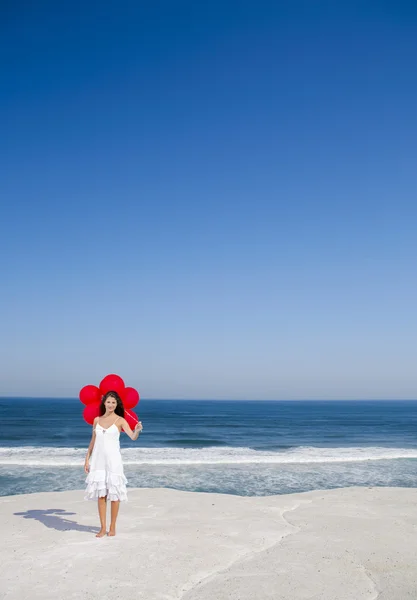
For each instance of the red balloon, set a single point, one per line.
(90, 394)
(131, 418)
(112, 383)
(130, 397)
(90, 412)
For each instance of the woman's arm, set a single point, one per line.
(90, 447)
(132, 434)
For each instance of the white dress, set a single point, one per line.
(106, 476)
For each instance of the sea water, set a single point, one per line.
(249, 448)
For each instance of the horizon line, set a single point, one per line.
(8, 397)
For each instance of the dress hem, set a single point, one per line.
(101, 484)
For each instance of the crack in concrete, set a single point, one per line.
(360, 565)
(249, 554)
(185, 592)
(369, 576)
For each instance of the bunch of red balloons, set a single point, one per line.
(91, 396)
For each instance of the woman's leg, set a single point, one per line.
(102, 508)
(114, 513)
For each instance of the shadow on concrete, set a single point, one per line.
(53, 518)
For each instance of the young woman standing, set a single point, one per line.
(106, 480)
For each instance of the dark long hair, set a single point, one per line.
(119, 410)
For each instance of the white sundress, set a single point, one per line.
(106, 476)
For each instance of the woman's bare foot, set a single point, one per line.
(112, 532)
(101, 533)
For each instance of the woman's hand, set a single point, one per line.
(138, 427)
(132, 433)
(86, 467)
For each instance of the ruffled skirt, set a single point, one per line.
(104, 483)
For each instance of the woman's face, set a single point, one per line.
(110, 404)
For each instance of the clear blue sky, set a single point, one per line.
(214, 200)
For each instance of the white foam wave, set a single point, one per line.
(66, 457)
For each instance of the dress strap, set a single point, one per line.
(116, 420)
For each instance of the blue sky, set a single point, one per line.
(212, 201)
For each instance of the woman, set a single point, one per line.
(106, 479)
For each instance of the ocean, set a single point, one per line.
(248, 448)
